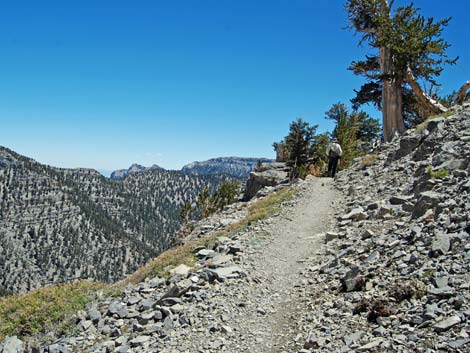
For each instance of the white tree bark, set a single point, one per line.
(424, 99)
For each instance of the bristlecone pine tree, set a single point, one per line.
(346, 130)
(409, 47)
(299, 146)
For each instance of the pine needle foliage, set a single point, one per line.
(299, 144)
(411, 42)
(346, 131)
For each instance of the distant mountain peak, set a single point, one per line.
(134, 168)
(239, 167)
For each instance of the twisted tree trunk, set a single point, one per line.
(392, 90)
(431, 105)
(392, 100)
(462, 94)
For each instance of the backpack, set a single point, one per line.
(334, 151)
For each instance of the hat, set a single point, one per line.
(335, 140)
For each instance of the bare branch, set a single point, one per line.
(424, 99)
(462, 93)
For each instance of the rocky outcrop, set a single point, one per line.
(266, 175)
(235, 166)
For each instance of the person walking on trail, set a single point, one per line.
(334, 153)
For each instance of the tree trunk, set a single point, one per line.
(392, 100)
(462, 93)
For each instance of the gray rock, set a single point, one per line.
(146, 304)
(435, 123)
(123, 349)
(139, 341)
(356, 214)
(205, 253)
(329, 236)
(399, 200)
(223, 273)
(181, 270)
(353, 337)
(144, 318)
(447, 324)
(427, 200)
(407, 145)
(12, 345)
(271, 174)
(133, 300)
(311, 342)
(119, 309)
(94, 315)
(459, 343)
(372, 345)
(86, 324)
(440, 244)
(353, 280)
(59, 348)
(220, 260)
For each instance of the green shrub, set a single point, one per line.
(437, 174)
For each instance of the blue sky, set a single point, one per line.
(104, 84)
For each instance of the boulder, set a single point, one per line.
(269, 174)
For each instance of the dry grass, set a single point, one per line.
(315, 170)
(368, 160)
(421, 127)
(44, 309)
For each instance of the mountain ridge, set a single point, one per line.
(239, 167)
(134, 168)
(56, 222)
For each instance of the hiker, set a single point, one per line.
(334, 153)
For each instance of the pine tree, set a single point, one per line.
(368, 128)
(299, 143)
(319, 155)
(346, 131)
(408, 48)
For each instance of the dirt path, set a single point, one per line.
(274, 307)
(260, 312)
